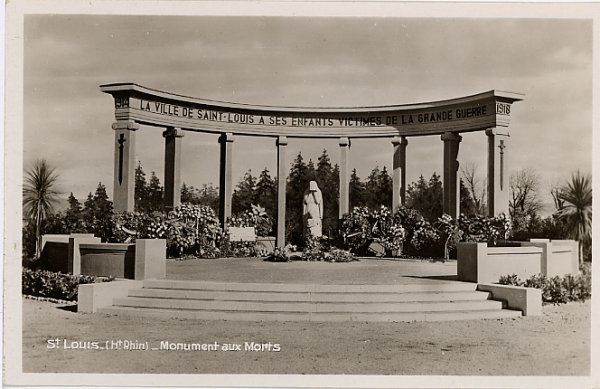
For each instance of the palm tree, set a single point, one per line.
(39, 196)
(576, 211)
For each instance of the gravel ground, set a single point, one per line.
(557, 343)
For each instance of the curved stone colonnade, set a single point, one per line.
(135, 104)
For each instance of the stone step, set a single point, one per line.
(321, 297)
(316, 317)
(324, 307)
(423, 285)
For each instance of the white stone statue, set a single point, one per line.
(313, 210)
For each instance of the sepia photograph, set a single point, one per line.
(299, 194)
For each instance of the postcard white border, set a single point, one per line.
(13, 165)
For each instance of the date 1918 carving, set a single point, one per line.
(121, 102)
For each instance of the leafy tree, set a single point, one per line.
(39, 197)
(524, 204)
(187, 193)
(576, 212)
(296, 185)
(73, 216)
(378, 189)
(141, 189)
(467, 204)
(155, 194)
(426, 197)
(208, 195)
(328, 179)
(356, 190)
(266, 193)
(244, 194)
(371, 188)
(98, 211)
(384, 189)
(475, 187)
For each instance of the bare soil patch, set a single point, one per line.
(557, 343)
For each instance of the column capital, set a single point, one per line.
(281, 141)
(344, 142)
(497, 131)
(173, 132)
(399, 140)
(451, 137)
(125, 125)
(226, 137)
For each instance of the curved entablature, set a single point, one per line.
(156, 108)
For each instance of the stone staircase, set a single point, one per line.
(428, 301)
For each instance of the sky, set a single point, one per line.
(304, 61)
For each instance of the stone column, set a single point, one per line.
(225, 177)
(451, 203)
(497, 176)
(281, 189)
(399, 175)
(124, 173)
(344, 183)
(173, 137)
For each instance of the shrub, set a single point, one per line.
(44, 283)
(556, 290)
(511, 279)
(537, 281)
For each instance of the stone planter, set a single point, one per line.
(108, 259)
(479, 263)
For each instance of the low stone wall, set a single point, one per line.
(146, 258)
(148, 261)
(560, 257)
(91, 297)
(479, 263)
(60, 253)
(55, 256)
(526, 300)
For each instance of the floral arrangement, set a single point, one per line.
(255, 217)
(281, 254)
(361, 227)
